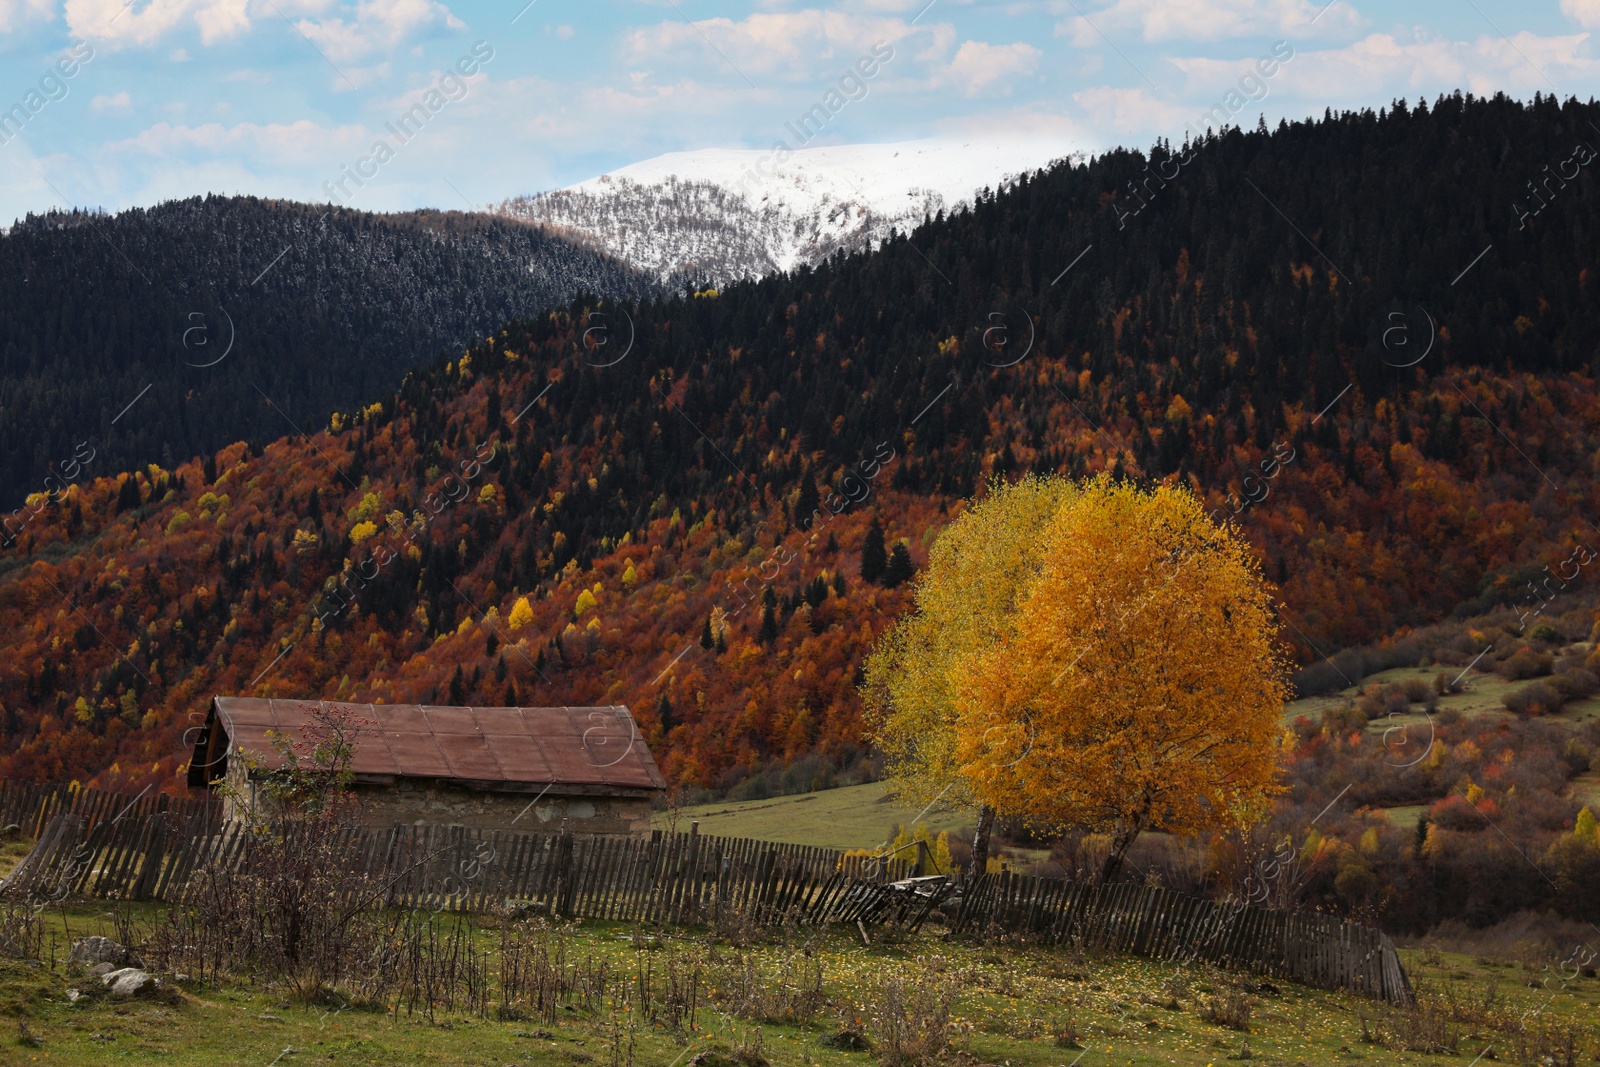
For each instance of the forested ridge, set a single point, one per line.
(214, 303)
(666, 503)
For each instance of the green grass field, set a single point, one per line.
(1011, 1004)
(1481, 696)
(854, 816)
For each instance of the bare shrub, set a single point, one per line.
(911, 1020)
(21, 932)
(667, 995)
(789, 993)
(1417, 690)
(1228, 1004)
(1576, 683)
(1524, 663)
(1538, 698)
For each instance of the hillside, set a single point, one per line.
(725, 466)
(714, 216)
(154, 335)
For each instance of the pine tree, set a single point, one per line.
(807, 504)
(664, 713)
(874, 560)
(900, 567)
(512, 698)
(769, 617)
(458, 691)
(839, 586)
(706, 637)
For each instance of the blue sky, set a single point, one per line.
(169, 98)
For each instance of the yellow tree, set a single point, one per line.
(977, 571)
(1139, 684)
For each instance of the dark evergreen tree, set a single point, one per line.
(874, 559)
(900, 568)
(769, 617)
(706, 637)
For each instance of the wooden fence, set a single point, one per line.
(1137, 920)
(136, 854)
(31, 805)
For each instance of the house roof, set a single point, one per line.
(589, 750)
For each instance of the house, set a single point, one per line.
(582, 769)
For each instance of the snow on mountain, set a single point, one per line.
(714, 215)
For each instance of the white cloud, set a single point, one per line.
(978, 67)
(116, 102)
(1380, 64)
(377, 24)
(1585, 13)
(1114, 113)
(119, 22)
(1209, 20)
(13, 13)
(800, 45)
(283, 144)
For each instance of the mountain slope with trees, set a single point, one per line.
(156, 334)
(665, 503)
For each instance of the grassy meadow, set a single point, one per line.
(787, 999)
(852, 816)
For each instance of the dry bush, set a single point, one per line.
(1539, 698)
(21, 932)
(1417, 690)
(1227, 1003)
(733, 923)
(789, 993)
(668, 995)
(1524, 663)
(1575, 683)
(911, 1019)
(1413, 1031)
(1556, 1045)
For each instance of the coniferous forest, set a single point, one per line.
(1369, 338)
(242, 319)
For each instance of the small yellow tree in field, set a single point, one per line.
(1138, 684)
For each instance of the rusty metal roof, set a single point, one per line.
(599, 748)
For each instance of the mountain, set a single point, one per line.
(159, 334)
(716, 215)
(1384, 372)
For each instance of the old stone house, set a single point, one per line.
(586, 770)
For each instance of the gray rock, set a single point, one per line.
(129, 982)
(102, 968)
(89, 951)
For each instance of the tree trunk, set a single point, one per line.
(1120, 843)
(980, 841)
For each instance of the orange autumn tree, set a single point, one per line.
(1140, 683)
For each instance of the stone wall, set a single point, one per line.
(431, 803)
(440, 804)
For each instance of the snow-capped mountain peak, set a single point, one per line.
(714, 215)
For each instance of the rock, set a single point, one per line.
(102, 968)
(73, 996)
(88, 951)
(129, 982)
